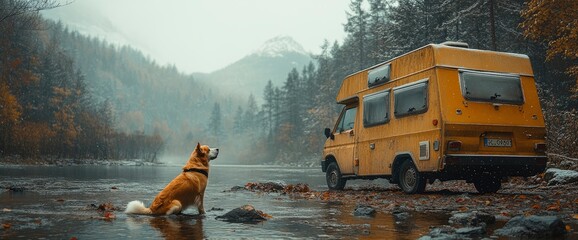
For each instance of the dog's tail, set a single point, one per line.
(137, 207)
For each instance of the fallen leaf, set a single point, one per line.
(109, 216)
(568, 228)
(114, 188)
(73, 238)
(325, 196)
(521, 196)
(264, 214)
(6, 225)
(553, 207)
(536, 206)
(575, 216)
(463, 209)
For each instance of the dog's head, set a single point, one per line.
(203, 154)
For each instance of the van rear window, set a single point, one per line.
(410, 99)
(491, 87)
(376, 109)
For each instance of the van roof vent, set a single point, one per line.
(456, 44)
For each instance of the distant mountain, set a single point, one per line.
(272, 61)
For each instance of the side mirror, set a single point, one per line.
(328, 134)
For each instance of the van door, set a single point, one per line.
(343, 145)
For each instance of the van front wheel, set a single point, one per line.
(410, 180)
(333, 176)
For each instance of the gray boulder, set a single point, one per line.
(450, 233)
(555, 176)
(364, 210)
(471, 231)
(472, 219)
(533, 227)
(244, 214)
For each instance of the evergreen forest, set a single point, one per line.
(66, 95)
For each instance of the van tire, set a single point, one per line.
(410, 179)
(489, 184)
(335, 180)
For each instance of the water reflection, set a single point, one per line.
(59, 196)
(179, 227)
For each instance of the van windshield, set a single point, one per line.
(491, 87)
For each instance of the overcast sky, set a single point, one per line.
(205, 35)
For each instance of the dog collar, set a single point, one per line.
(204, 172)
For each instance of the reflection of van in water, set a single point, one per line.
(443, 112)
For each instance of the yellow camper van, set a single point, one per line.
(443, 111)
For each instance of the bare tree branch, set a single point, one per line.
(12, 8)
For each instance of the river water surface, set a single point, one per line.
(59, 203)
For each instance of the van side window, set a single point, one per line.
(378, 75)
(410, 99)
(491, 87)
(376, 109)
(347, 120)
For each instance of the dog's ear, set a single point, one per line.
(198, 148)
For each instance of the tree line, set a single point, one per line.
(46, 108)
(287, 127)
(70, 96)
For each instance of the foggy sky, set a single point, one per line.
(205, 35)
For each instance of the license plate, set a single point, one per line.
(491, 142)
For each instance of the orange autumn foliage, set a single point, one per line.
(10, 109)
(554, 22)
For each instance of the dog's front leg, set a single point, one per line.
(200, 205)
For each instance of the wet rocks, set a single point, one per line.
(297, 188)
(468, 225)
(449, 233)
(364, 210)
(265, 187)
(471, 231)
(244, 214)
(443, 232)
(533, 227)
(237, 188)
(555, 176)
(277, 187)
(472, 219)
(401, 216)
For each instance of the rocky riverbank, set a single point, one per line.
(519, 207)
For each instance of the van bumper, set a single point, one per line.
(471, 166)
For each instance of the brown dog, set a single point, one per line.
(187, 189)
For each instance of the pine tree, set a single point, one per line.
(238, 122)
(292, 103)
(268, 97)
(356, 27)
(215, 123)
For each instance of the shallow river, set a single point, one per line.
(59, 203)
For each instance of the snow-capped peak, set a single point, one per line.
(278, 46)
